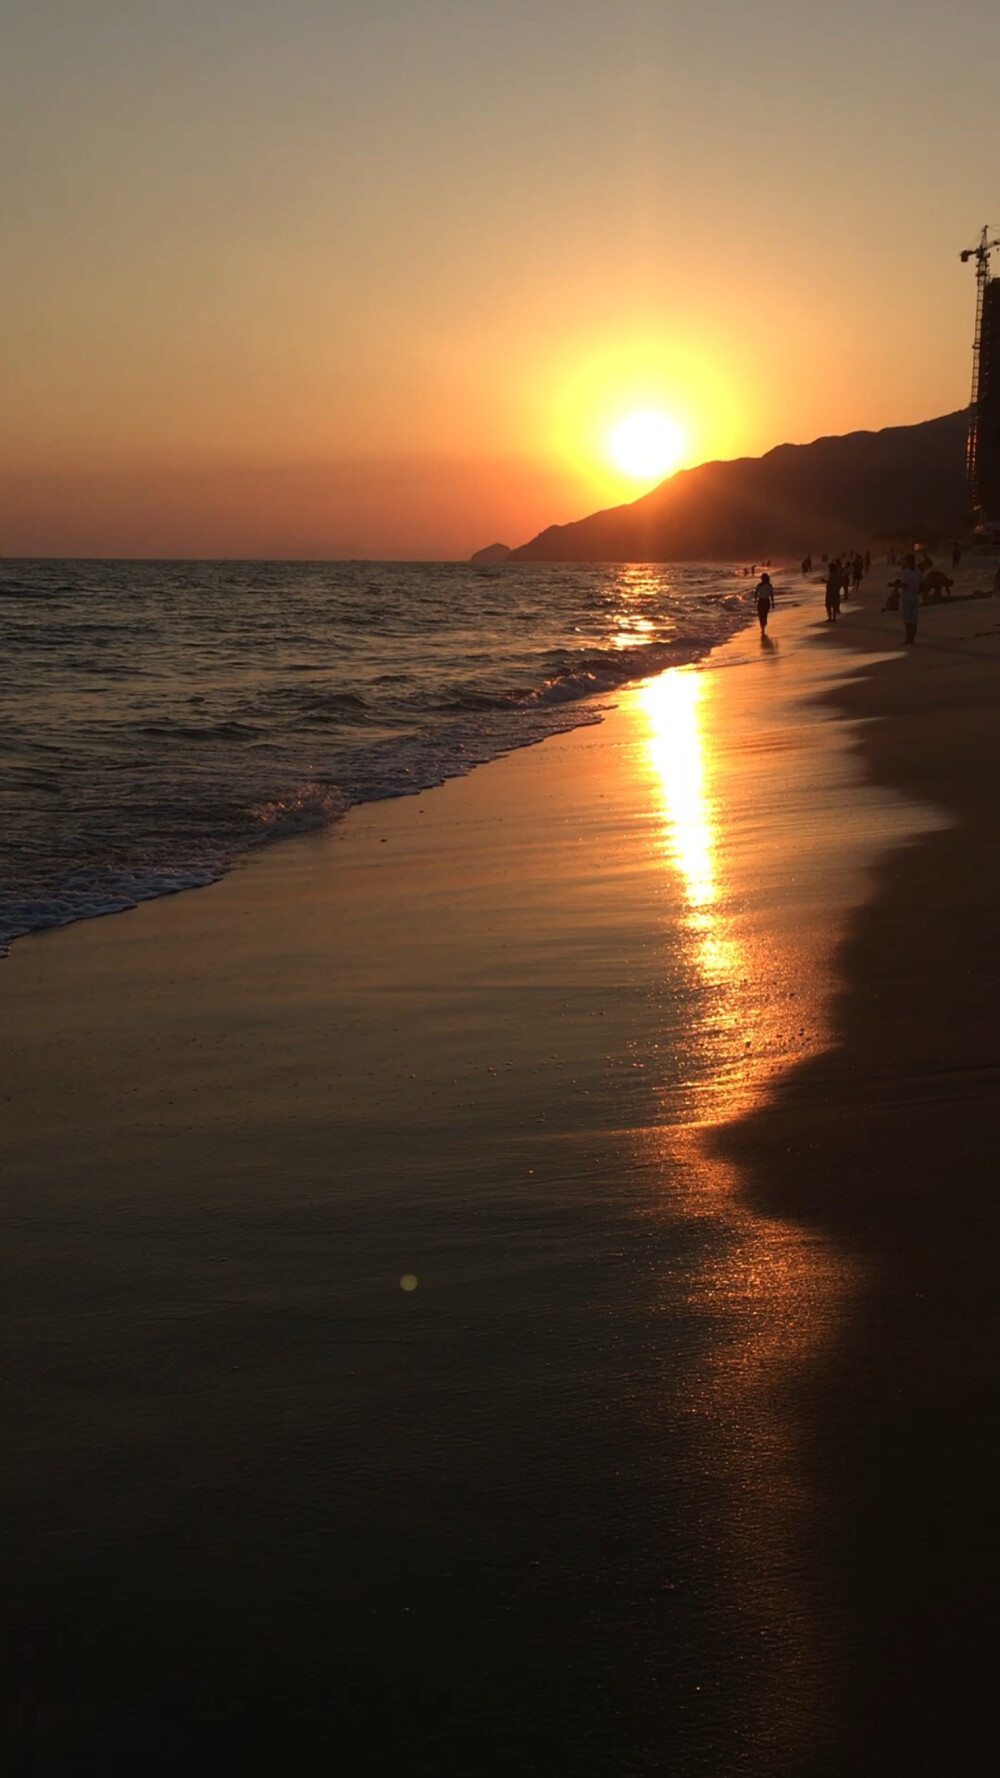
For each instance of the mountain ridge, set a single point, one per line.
(838, 491)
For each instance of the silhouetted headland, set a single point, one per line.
(906, 479)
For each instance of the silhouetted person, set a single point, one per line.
(936, 585)
(910, 582)
(765, 600)
(834, 581)
(868, 560)
(956, 554)
(807, 563)
(857, 570)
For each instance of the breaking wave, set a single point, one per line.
(161, 719)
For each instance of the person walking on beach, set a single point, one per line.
(857, 570)
(765, 600)
(910, 582)
(834, 578)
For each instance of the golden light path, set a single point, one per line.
(768, 1291)
(676, 746)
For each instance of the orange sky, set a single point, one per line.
(378, 279)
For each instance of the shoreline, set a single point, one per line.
(570, 1494)
(204, 761)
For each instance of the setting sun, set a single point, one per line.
(647, 444)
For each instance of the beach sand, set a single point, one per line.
(660, 1056)
(886, 1146)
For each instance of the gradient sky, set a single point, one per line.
(376, 277)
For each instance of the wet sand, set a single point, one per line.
(886, 1145)
(673, 1460)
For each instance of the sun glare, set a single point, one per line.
(647, 444)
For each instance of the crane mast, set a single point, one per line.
(980, 369)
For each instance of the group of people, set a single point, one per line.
(893, 560)
(843, 577)
(917, 582)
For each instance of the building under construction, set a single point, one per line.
(984, 412)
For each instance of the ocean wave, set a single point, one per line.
(303, 811)
(173, 730)
(115, 893)
(310, 703)
(584, 675)
(230, 708)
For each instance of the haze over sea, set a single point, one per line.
(161, 718)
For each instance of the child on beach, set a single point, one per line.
(834, 580)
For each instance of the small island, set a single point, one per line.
(494, 552)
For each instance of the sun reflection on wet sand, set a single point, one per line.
(677, 752)
(760, 1296)
(760, 831)
(676, 707)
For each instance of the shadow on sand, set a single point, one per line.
(886, 1146)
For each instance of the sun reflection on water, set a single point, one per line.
(634, 584)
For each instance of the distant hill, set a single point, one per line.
(494, 552)
(833, 494)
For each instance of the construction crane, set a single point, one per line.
(981, 254)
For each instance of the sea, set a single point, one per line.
(159, 720)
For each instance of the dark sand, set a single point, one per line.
(887, 1145)
(676, 1460)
